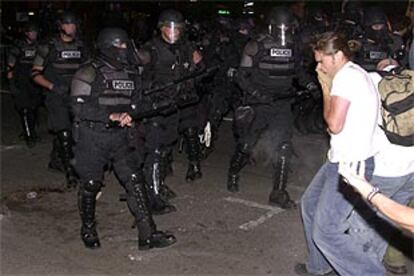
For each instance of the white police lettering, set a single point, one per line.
(123, 85)
(377, 55)
(280, 52)
(71, 54)
(29, 53)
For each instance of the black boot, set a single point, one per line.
(158, 204)
(55, 163)
(279, 196)
(65, 140)
(148, 236)
(233, 183)
(165, 168)
(193, 149)
(28, 124)
(238, 161)
(87, 202)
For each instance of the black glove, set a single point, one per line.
(313, 90)
(12, 86)
(60, 89)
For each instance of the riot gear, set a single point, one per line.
(31, 27)
(99, 90)
(375, 22)
(68, 17)
(111, 43)
(280, 24)
(27, 96)
(270, 64)
(56, 62)
(171, 24)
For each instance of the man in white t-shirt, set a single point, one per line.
(350, 112)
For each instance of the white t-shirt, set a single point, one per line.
(355, 141)
(392, 160)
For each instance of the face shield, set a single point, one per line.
(171, 32)
(283, 33)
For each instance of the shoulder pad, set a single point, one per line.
(43, 50)
(86, 73)
(81, 82)
(251, 48)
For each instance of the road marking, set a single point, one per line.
(256, 222)
(4, 148)
(253, 204)
(3, 91)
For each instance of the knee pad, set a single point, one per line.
(93, 186)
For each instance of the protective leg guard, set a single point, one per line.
(279, 196)
(158, 204)
(28, 124)
(55, 163)
(86, 203)
(148, 236)
(65, 140)
(193, 149)
(165, 165)
(237, 163)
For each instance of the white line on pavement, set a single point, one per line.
(253, 204)
(256, 222)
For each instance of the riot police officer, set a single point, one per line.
(268, 67)
(54, 65)
(172, 57)
(27, 95)
(377, 41)
(105, 90)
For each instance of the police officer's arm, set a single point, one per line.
(39, 65)
(304, 78)
(81, 94)
(246, 65)
(11, 61)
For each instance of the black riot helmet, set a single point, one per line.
(171, 23)
(281, 24)
(68, 17)
(112, 43)
(31, 30)
(64, 20)
(375, 24)
(31, 27)
(374, 15)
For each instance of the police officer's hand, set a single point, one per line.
(60, 89)
(12, 86)
(124, 119)
(313, 89)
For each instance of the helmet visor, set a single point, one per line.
(172, 31)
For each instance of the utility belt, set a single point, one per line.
(98, 125)
(263, 98)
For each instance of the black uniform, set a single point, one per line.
(60, 60)
(170, 62)
(376, 45)
(224, 49)
(27, 95)
(104, 86)
(268, 67)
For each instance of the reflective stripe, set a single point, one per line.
(113, 101)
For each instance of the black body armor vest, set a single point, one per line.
(274, 64)
(372, 53)
(172, 62)
(65, 58)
